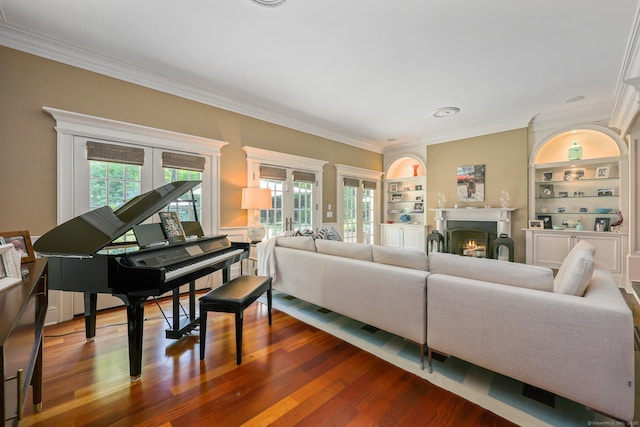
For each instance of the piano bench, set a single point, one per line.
(233, 297)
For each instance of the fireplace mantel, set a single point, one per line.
(501, 216)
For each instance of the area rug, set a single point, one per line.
(494, 392)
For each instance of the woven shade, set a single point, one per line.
(182, 161)
(271, 172)
(115, 153)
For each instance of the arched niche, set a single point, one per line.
(597, 142)
(403, 167)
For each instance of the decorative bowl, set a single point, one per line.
(558, 227)
(405, 218)
(603, 210)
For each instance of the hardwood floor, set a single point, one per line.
(291, 374)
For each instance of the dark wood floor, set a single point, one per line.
(292, 374)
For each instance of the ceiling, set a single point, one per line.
(363, 72)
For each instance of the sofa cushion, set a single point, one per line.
(407, 258)
(359, 251)
(298, 242)
(492, 270)
(575, 273)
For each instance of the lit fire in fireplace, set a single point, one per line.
(474, 250)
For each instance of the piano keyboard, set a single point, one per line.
(173, 273)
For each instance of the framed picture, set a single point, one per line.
(563, 194)
(393, 187)
(396, 197)
(546, 190)
(605, 192)
(418, 207)
(602, 172)
(602, 224)
(21, 241)
(573, 174)
(547, 222)
(547, 176)
(470, 183)
(418, 187)
(419, 199)
(535, 223)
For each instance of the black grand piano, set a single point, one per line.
(84, 257)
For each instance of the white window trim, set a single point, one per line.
(70, 125)
(346, 171)
(258, 156)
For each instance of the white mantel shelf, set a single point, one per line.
(502, 217)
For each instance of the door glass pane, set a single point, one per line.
(350, 214)
(272, 218)
(111, 184)
(368, 207)
(189, 205)
(302, 205)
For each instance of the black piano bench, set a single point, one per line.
(233, 297)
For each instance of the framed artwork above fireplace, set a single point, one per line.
(470, 183)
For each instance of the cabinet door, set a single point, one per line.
(608, 250)
(550, 250)
(392, 236)
(413, 238)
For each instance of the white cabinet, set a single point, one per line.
(548, 248)
(407, 236)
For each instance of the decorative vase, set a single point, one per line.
(415, 169)
(575, 151)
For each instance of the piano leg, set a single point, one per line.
(90, 304)
(135, 319)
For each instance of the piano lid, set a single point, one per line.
(88, 233)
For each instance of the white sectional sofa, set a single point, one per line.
(571, 335)
(377, 285)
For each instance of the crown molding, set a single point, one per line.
(35, 44)
(626, 98)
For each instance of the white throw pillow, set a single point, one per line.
(584, 244)
(575, 273)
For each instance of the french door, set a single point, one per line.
(293, 200)
(296, 189)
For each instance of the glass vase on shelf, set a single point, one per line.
(575, 151)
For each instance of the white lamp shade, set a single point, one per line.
(256, 198)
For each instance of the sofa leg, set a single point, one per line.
(429, 360)
(423, 348)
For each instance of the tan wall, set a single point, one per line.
(505, 157)
(28, 138)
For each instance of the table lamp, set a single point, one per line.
(256, 199)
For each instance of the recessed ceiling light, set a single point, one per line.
(444, 112)
(269, 3)
(576, 98)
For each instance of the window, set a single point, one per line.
(296, 189)
(357, 208)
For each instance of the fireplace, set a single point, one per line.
(471, 238)
(472, 232)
